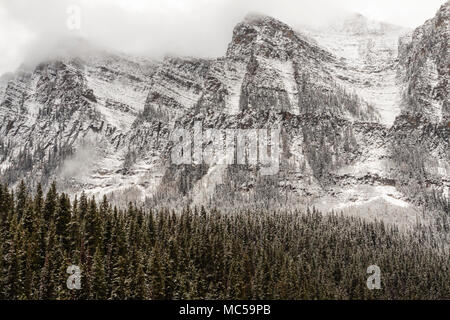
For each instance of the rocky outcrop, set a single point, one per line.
(103, 122)
(424, 59)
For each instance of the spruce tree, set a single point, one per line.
(99, 286)
(50, 203)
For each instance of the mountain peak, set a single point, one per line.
(266, 36)
(358, 24)
(260, 20)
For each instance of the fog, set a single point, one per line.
(29, 29)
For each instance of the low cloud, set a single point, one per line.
(80, 163)
(31, 29)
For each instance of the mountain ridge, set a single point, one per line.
(103, 123)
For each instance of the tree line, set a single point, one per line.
(199, 253)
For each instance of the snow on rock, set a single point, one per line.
(102, 122)
(368, 52)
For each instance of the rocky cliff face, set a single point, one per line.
(103, 122)
(425, 68)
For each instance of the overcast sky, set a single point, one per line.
(183, 27)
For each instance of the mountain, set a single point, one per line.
(369, 50)
(363, 118)
(425, 68)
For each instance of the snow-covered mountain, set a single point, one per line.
(424, 67)
(369, 50)
(363, 108)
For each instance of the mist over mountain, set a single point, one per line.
(200, 28)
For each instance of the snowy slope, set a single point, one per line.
(102, 122)
(369, 50)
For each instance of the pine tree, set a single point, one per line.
(140, 280)
(50, 203)
(99, 287)
(38, 200)
(48, 278)
(83, 206)
(22, 197)
(63, 219)
(157, 278)
(13, 282)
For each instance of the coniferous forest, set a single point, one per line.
(204, 254)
